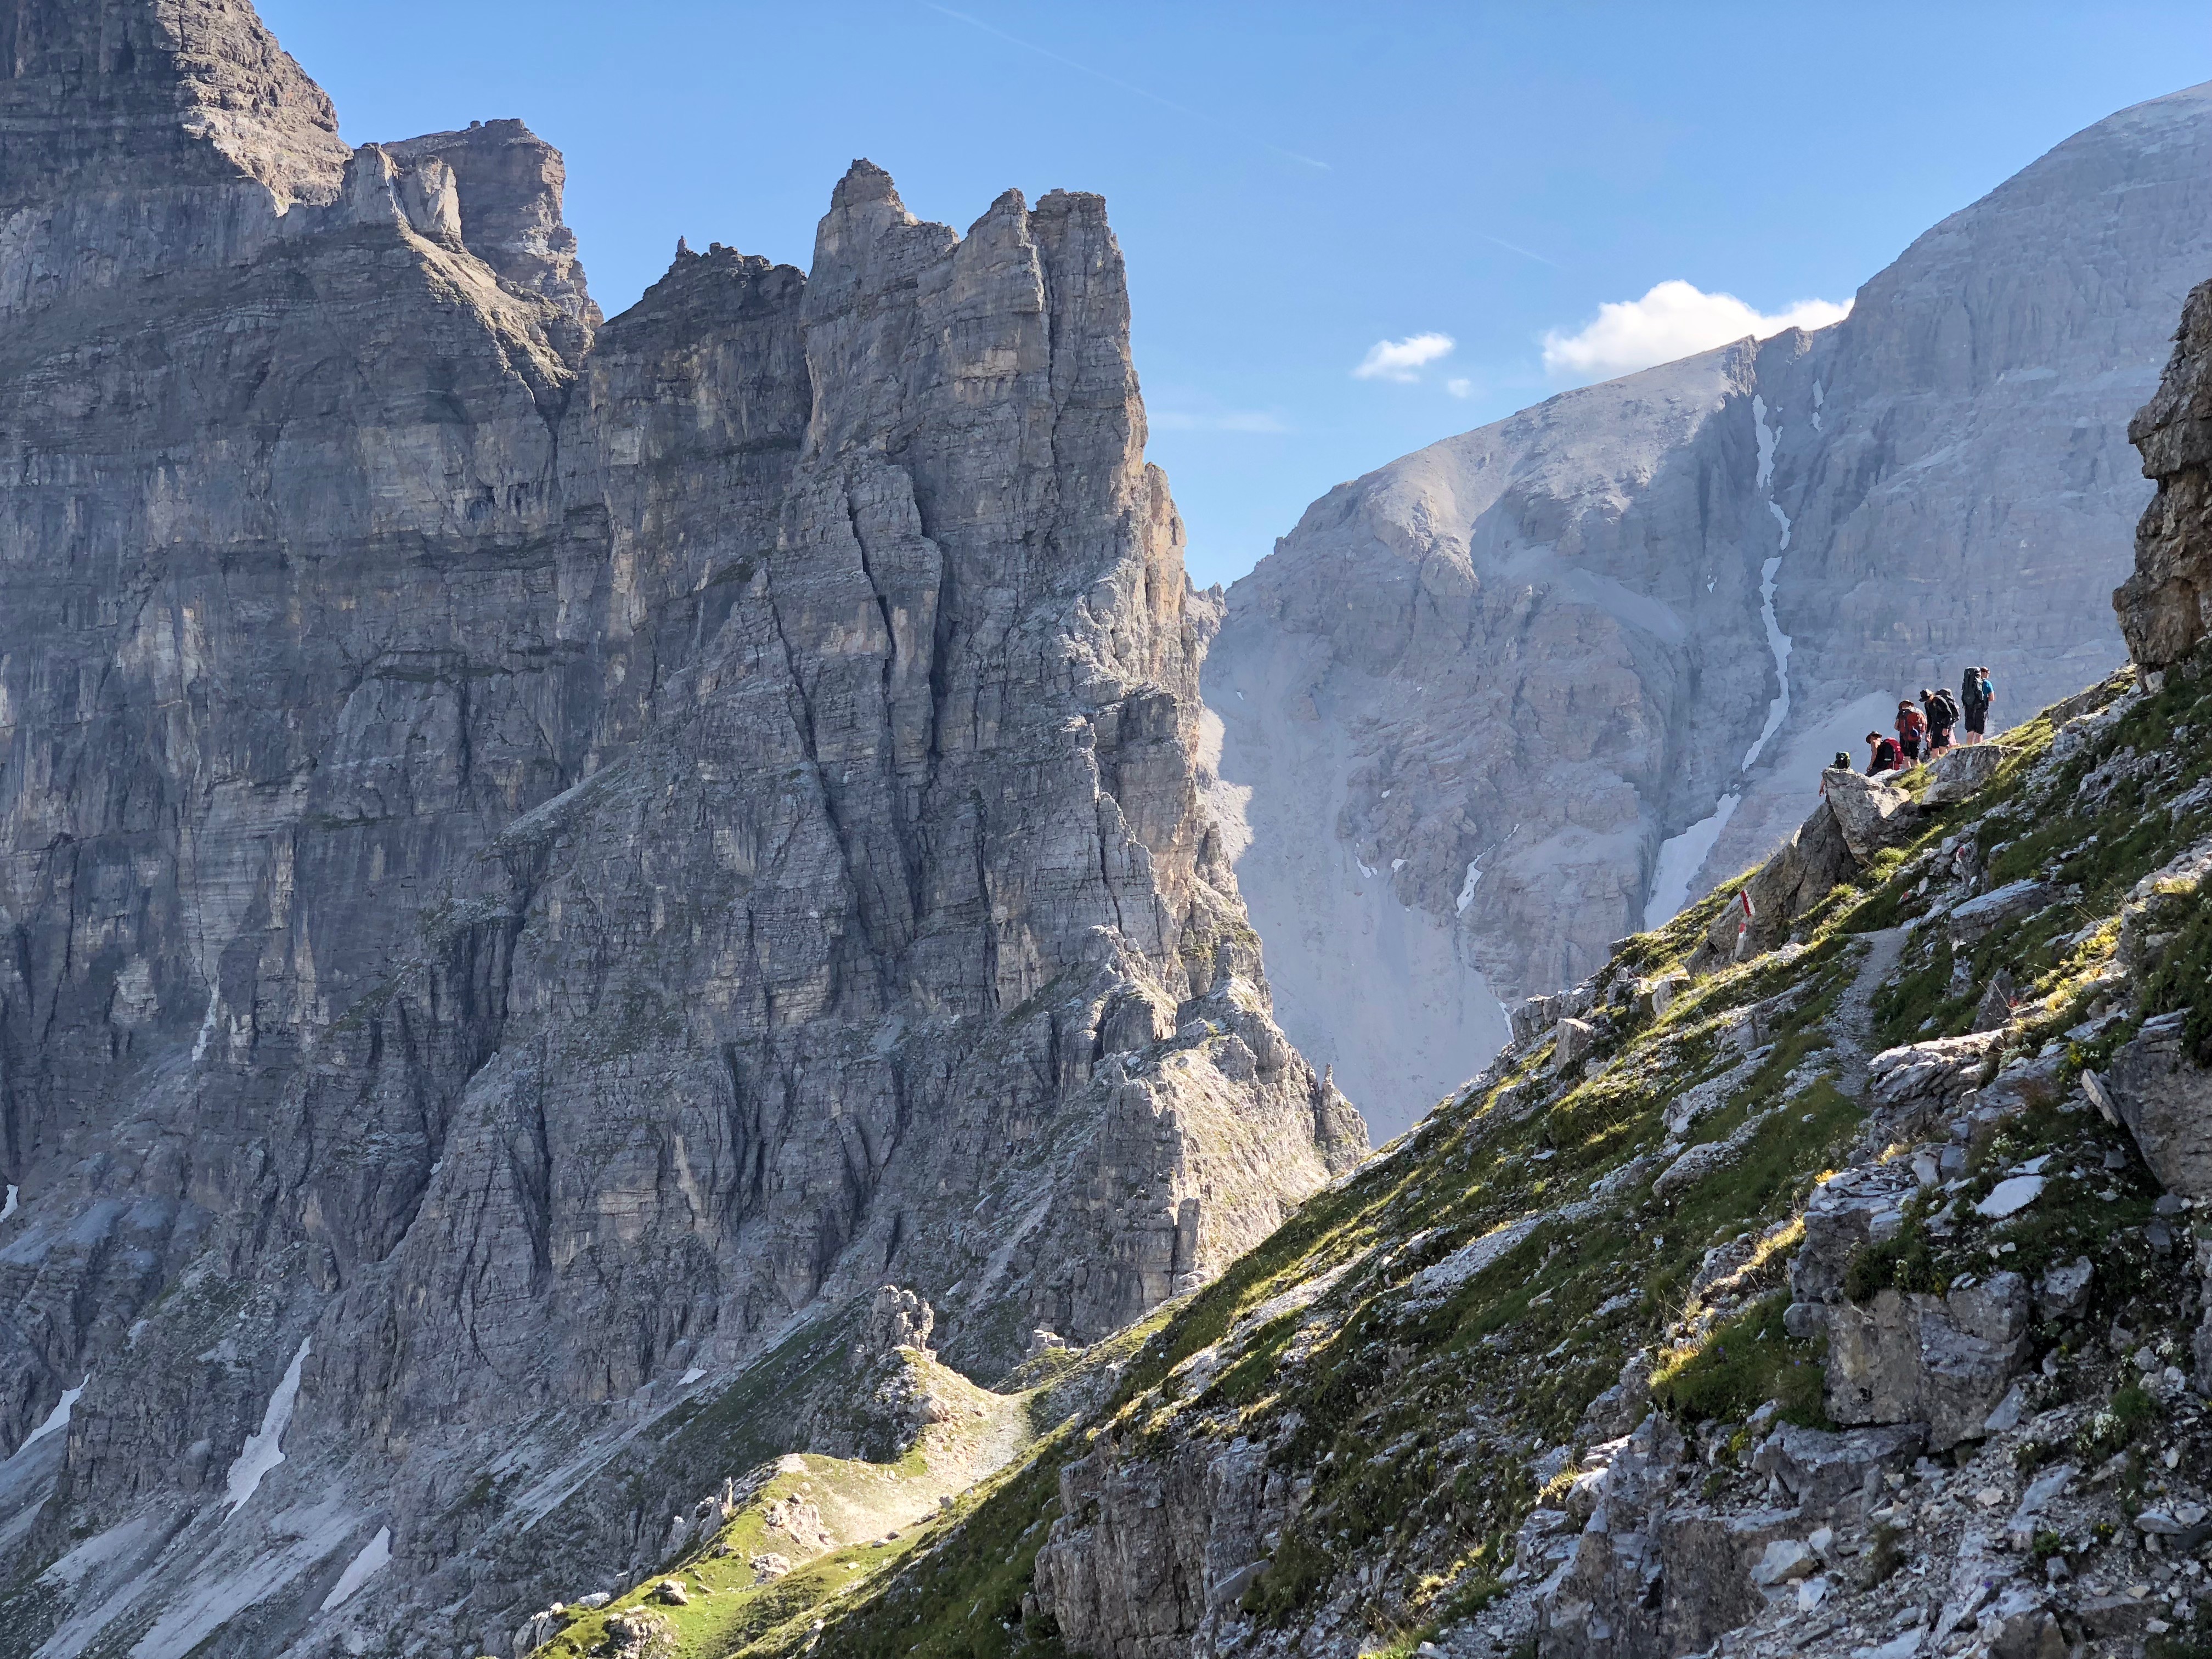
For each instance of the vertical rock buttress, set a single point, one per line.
(542, 851)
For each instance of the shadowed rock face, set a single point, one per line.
(2166, 605)
(1524, 691)
(541, 852)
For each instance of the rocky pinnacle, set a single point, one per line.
(546, 853)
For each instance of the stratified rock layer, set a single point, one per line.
(1531, 687)
(542, 853)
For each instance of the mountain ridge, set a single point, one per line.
(1516, 666)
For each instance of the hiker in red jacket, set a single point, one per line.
(1887, 756)
(1912, 727)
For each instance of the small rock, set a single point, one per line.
(769, 1565)
(1786, 1560)
(669, 1591)
(2010, 1196)
(1573, 1039)
(2009, 1410)
(2062, 1290)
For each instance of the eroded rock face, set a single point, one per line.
(2165, 1100)
(1945, 1361)
(1526, 690)
(2166, 605)
(541, 853)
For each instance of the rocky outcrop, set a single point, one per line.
(2164, 1099)
(2166, 605)
(1519, 693)
(544, 856)
(1856, 817)
(1914, 1357)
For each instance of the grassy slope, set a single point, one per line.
(1416, 1416)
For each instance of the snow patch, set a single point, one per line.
(375, 1555)
(207, 1024)
(1680, 857)
(1361, 863)
(690, 1376)
(57, 1419)
(11, 1206)
(1768, 437)
(1776, 641)
(1467, 890)
(263, 1451)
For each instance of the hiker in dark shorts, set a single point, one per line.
(1975, 697)
(1911, 729)
(1887, 756)
(1943, 712)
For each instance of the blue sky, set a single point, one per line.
(1293, 184)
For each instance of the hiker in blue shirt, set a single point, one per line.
(1975, 697)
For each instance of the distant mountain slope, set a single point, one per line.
(1517, 694)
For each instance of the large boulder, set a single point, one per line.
(1959, 772)
(2165, 1100)
(1871, 812)
(1784, 888)
(1914, 1357)
(1974, 919)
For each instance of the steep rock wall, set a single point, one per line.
(543, 853)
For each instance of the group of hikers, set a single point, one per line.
(1924, 732)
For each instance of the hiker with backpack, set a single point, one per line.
(1911, 729)
(1975, 697)
(1887, 756)
(1942, 713)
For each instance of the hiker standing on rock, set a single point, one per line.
(1887, 756)
(1910, 728)
(1942, 712)
(1975, 697)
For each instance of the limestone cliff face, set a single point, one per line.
(542, 851)
(2166, 604)
(1524, 691)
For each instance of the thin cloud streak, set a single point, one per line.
(1515, 247)
(1113, 80)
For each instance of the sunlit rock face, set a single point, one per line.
(1512, 697)
(542, 851)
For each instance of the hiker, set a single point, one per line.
(1911, 729)
(1942, 712)
(1975, 697)
(1887, 756)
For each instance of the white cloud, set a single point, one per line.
(1234, 420)
(1402, 360)
(1674, 319)
(1460, 388)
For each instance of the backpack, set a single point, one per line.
(1942, 709)
(1910, 723)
